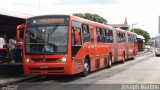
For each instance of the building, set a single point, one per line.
(9, 20)
(159, 25)
(124, 26)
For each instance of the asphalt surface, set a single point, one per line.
(144, 70)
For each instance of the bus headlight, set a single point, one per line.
(63, 60)
(28, 60)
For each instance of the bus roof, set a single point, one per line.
(91, 22)
(41, 16)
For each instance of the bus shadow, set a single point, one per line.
(57, 78)
(113, 65)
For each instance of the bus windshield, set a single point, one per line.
(157, 43)
(46, 39)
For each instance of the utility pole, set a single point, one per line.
(133, 24)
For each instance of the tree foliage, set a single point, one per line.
(93, 17)
(142, 32)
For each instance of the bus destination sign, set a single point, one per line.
(47, 21)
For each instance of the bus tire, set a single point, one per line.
(123, 58)
(109, 61)
(86, 67)
(133, 57)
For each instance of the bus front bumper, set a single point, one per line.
(44, 68)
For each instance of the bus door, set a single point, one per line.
(93, 48)
(88, 39)
(19, 38)
(76, 44)
(115, 45)
(88, 43)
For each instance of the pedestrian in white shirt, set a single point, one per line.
(5, 41)
(2, 43)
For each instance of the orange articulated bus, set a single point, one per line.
(64, 44)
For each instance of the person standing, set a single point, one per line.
(5, 41)
(1, 49)
(12, 49)
(2, 43)
(19, 50)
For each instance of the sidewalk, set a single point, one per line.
(143, 52)
(9, 74)
(8, 80)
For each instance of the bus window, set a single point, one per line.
(105, 35)
(101, 34)
(98, 34)
(110, 36)
(76, 25)
(91, 35)
(118, 38)
(131, 38)
(85, 29)
(123, 37)
(79, 32)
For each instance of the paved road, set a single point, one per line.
(145, 70)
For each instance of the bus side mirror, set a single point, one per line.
(76, 36)
(19, 27)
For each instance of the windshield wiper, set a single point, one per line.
(50, 33)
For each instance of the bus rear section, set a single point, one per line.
(132, 45)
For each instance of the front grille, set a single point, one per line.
(53, 68)
(44, 60)
(38, 59)
(51, 59)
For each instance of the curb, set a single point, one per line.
(19, 81)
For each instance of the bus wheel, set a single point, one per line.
(133, 57)
(86, 68)
(123, 58)
(109, 61)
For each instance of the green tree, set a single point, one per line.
(142, 32)
(93, 17)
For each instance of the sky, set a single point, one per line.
(139, 13)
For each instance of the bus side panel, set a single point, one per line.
(78, 61)
(121, 49)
